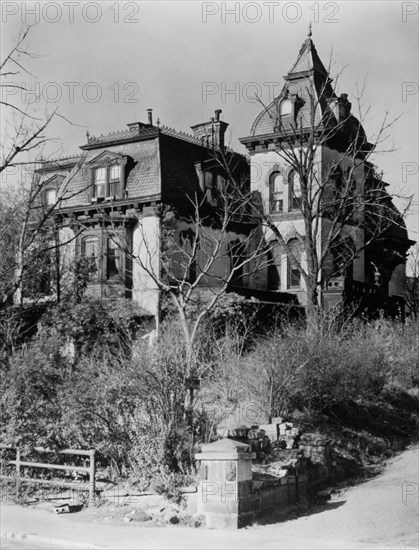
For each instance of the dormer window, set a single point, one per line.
(285, 107)
(107, 171)
(107, 181)
(100, 183)
(51, 197)
(114, 180)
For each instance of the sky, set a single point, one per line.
(103, 64)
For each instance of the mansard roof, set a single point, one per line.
(159, 165)
(307, 78)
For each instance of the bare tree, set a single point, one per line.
(23, 130)
(29, 240)
(197, 256)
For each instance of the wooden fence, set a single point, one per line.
(19, 463)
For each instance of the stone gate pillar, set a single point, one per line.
(225, 495)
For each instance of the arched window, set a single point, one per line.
(350, 182)
(90, 252)
(342, 253)
(285, 107)
(294, 191)
(51, 197)
(274, 267)
(293, 272)
(113, 259)
(276, 191)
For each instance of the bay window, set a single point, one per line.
(103, 256)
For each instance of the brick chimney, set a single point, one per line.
(211, 133)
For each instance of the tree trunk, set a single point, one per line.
(312, 308)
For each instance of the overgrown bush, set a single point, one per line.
(298, 369)
(125, 399)
(91, 326)
(30, 390)
(130, 400)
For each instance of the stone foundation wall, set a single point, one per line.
(236, 487)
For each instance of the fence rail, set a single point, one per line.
(18, 463)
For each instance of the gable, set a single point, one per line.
(106, 157)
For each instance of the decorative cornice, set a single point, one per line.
(137, 132)
(180, 135)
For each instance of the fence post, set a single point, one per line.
(17, 472)
(92, 472)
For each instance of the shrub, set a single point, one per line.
(92, 326)
(30, 408)
(297, 369)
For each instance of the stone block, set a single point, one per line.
(267, 427)
(245, 489)
(302, 490)
(221, 521)
(246, 519)
(244, 470)
(250, 505)
(217, 504)
(284, 427)
(292, 497)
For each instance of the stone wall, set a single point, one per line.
(230, 496)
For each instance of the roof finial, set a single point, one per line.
(309, 31)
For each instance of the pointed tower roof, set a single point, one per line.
(306, 78)
(308, 61)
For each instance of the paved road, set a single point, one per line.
(381, 513)
(7, 544)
